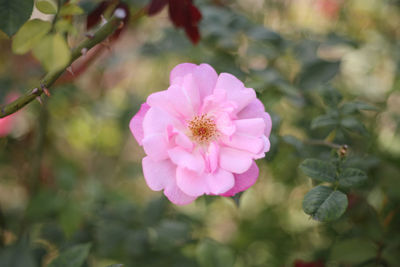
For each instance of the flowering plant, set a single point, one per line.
(201, 135)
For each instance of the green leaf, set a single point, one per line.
(212, 254)
(353, 124)
(331, 96)
(72, 257)
(30, 34)
(352, 107)
(65, 26)
(71, 10)
(17, 255)
(325, 204)
(46, 6)
(352, 177)
(353, 250)
(324, 121)
(13, 14)
(319, 170)
(52, 52)
(317, 73)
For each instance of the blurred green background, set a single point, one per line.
(70, 170)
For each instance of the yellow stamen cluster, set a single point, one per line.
(203, 129)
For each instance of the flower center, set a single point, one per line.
(203, 129)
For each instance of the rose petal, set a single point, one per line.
(191, 183)
(181, 71)
(256, 110)
(193, 161)
(136, 123)
(212, 156)
(247, 143)
(220, 181)
(190, 90)
(225, 125)
(253, 127)
(177, 196)
(158, 174)
(206, 78)
(161, 175)
(244, 181)
(234, 160)
(156, 121)
(229, 83)
(156, 146)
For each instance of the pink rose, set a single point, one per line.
(201, 135)
(6, 123)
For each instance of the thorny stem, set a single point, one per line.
(100, 35)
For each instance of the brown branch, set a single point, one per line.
(99, 36)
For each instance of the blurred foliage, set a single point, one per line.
(71, 185)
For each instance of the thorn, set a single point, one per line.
(121, 25)
(34, 91)
(45, 90)
(120, 13)
(103, 20)
(69, 69)
(89, 35)
(38, 98)
(84, 51)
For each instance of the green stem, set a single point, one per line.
(99, 36)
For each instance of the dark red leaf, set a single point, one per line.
(178, 12)
(156, 6)
(193, 33)
(195, 14)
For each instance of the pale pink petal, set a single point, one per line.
(236, 92)
(161, 100)
(253, 126)
(248, 143)
(191, 183)
(180, 71)
(266, 148)
(162, 175)
(206, 78)
(172, 101)
(156, 146)
(267, 144)
(242, 98)
(156, 121)
(229, 83)
(244, 181)
(234, 160)
(136, 123)
(220, 181)
(268, 123)
(184, 141)
(225, 125)
(256, 110)
(190, 90)
(177, 196)
(212, 156)
(158, 174)
(192, 161)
